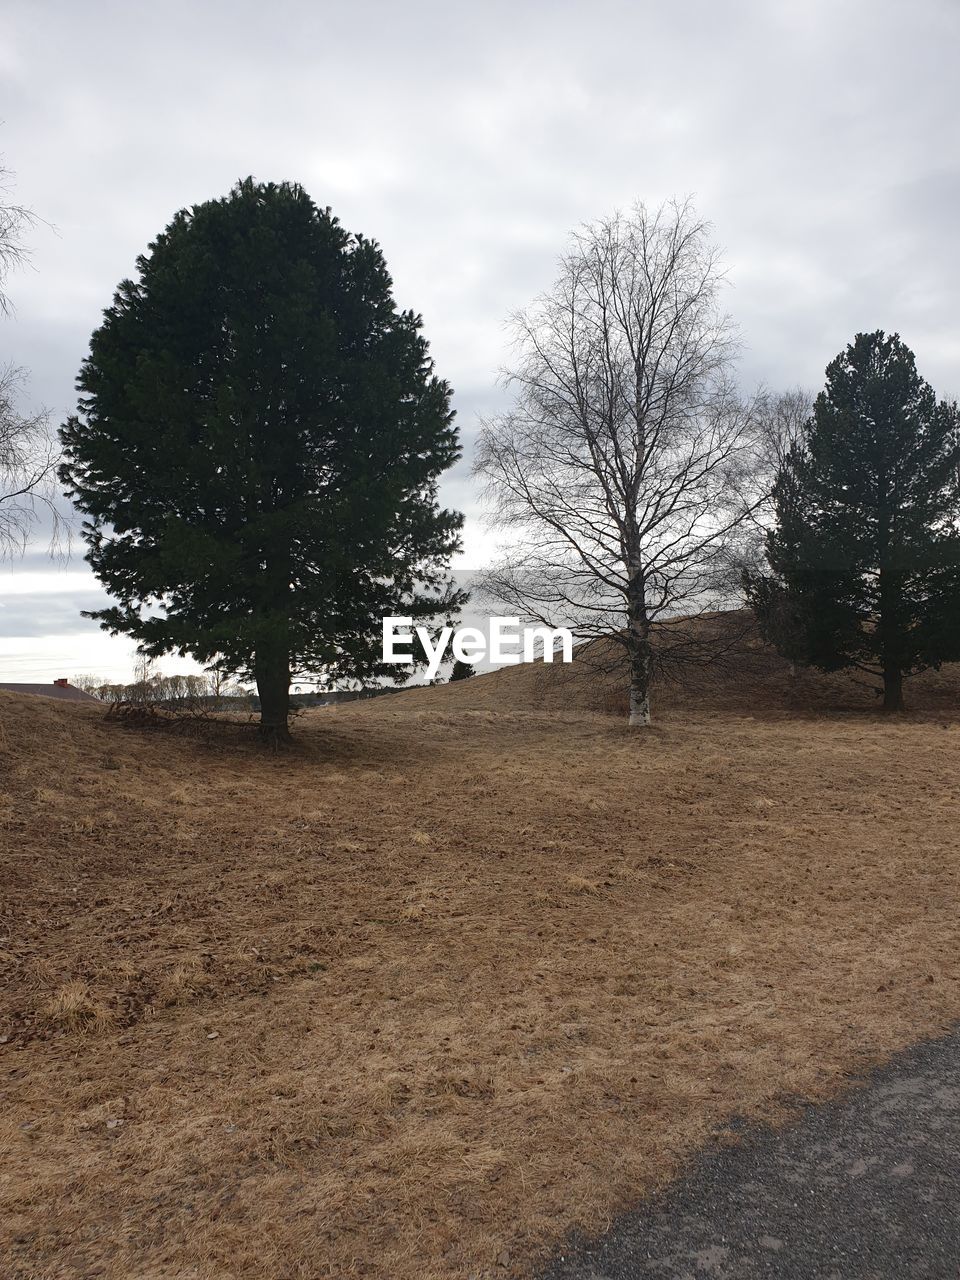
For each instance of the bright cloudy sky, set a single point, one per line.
(819, 136)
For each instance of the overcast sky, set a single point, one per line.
(820, 137)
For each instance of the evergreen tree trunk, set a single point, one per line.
(892, 690)
(890, 640)
(641, 654)
(272, 671)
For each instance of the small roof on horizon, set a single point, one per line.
(66, 692)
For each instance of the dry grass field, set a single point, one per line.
(466, 968)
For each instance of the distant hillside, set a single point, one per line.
(748, 678)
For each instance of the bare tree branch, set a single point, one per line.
(29, 455)
(14, 221)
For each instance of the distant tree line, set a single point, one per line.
(175, 690)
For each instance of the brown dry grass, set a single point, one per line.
(468, 967)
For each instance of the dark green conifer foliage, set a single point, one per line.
(865, 555)
(257, 446)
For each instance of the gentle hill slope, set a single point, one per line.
(749, 678)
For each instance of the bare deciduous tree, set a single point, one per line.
(625, 469)
(28, 463)
(28, 453)
(14, 220)
(780, 420)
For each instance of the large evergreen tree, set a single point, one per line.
(865, 555)
(257, 447)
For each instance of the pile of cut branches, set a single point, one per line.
(190, 719)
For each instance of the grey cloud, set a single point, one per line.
(45, 613)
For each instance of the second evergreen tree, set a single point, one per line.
(865, 555)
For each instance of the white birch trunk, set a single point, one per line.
(639, 709)
(639, 645)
